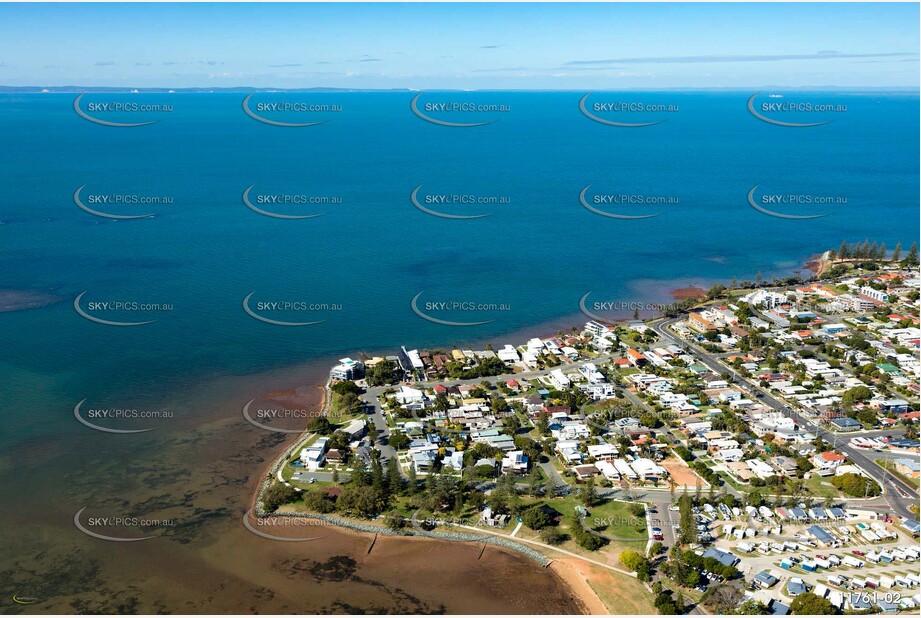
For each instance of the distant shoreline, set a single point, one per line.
(22, 300)
(72, 89)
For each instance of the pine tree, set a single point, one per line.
(394, 478)
(881, 252)
(842, 250)
(412, 481)
(897, 253)
(679, 603)
(377, 473)
(911, 258)
(871, 252)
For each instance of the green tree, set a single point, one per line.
(631, 559)
(320, 425)
(345, 386)
(319, 501)
(752, 607)
(856, 485)
(588, 495)
(394, 478)
(394, 520)
(536, 518)
(897, 253)
(412, 482)
(552, 535)
(855, 395)
(399, 441)
(687, 525)
(384, 372)
(543, 423)
(277, 495)
(364, 501)
(811, 604)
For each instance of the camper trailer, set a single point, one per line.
(854, 562)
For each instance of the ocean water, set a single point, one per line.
(372, 253)
(364, 260)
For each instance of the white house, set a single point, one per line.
(515, 461)
(312, 456)
(559, 379)
(760, 468)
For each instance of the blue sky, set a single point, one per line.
(483, 46)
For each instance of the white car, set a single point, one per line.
(674, 507)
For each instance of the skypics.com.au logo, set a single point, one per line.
(113, 113)
(290, 309)
(436, 112)
(288, 112)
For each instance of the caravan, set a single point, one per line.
(854, 562)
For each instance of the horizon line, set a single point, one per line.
(229, 89)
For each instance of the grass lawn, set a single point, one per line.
(621, 594)
(615, 520)
(817, 487)
(612, 519)
(730, 481)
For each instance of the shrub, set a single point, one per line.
(856, 485)
(277, 495)
(553, 535)
(536, 518)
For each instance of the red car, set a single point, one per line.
(858, 553)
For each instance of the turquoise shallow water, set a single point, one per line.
(373, 252)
